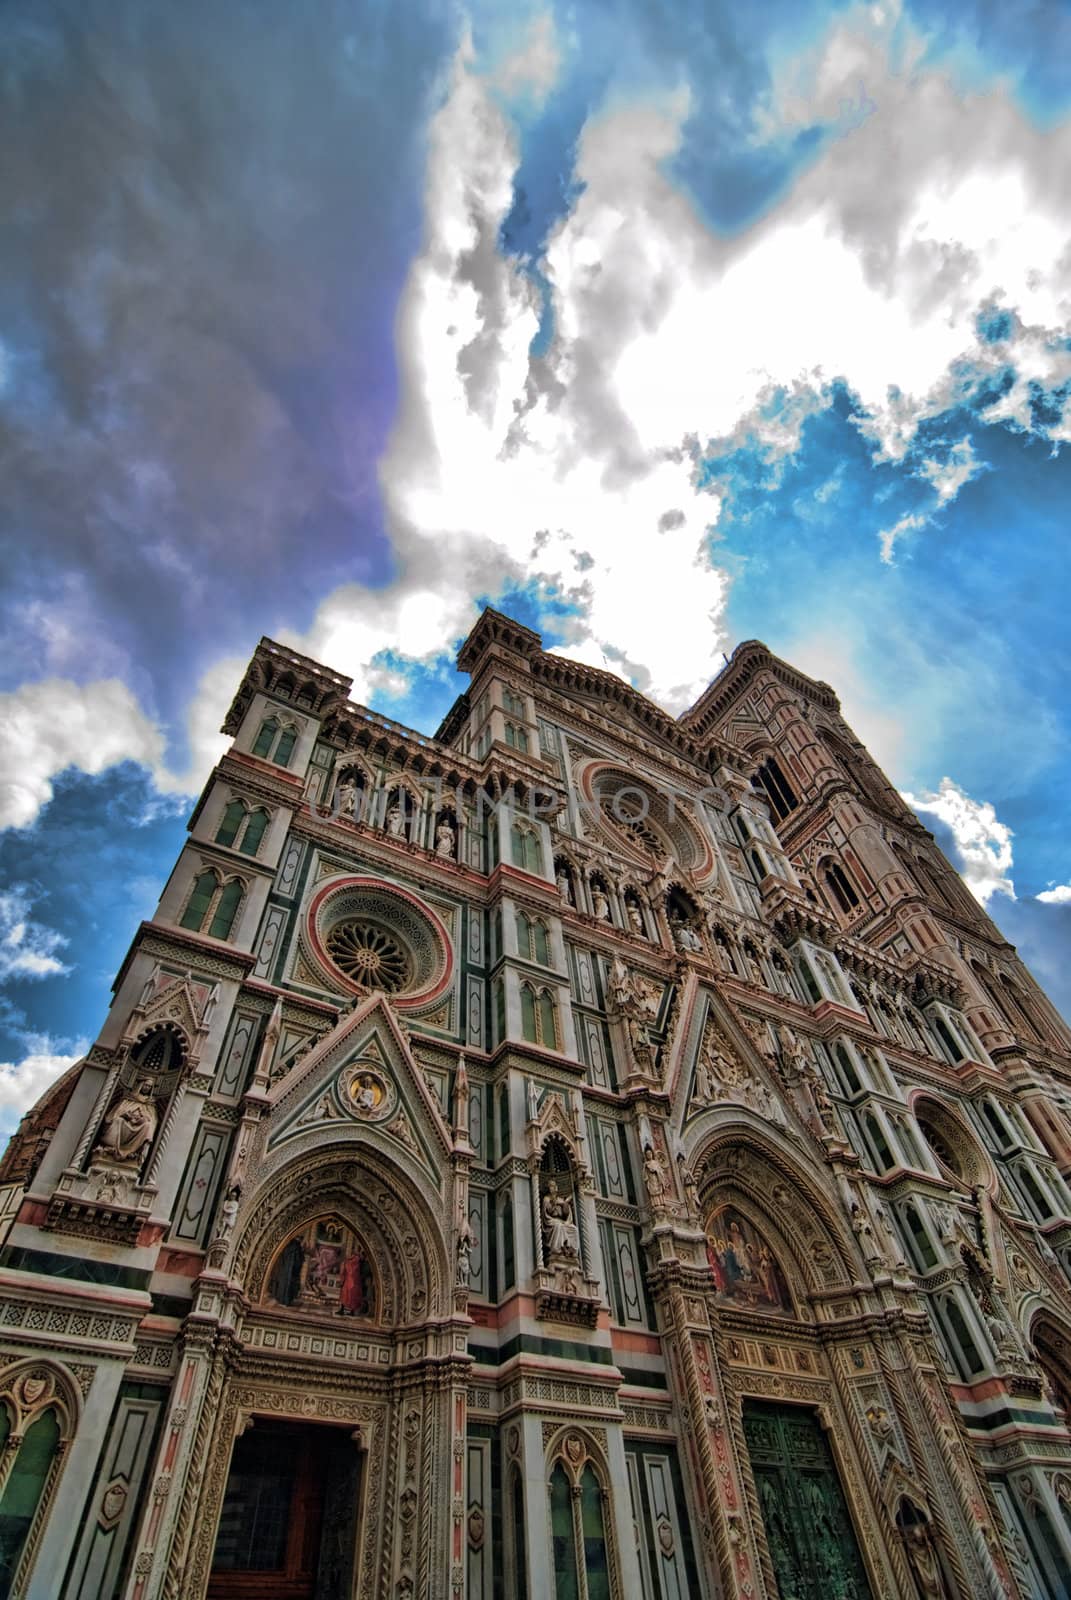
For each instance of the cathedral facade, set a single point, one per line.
(584, 1154)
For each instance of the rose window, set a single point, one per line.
(636, 826)
(369, 956)
(369, 936)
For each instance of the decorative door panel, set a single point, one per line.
(808, 1530)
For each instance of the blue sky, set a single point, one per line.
(661, 326)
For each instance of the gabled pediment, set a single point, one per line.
(362, 1074)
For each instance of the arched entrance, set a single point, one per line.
(331, 1411)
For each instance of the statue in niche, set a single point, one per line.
(396, 821)
(635, 919)
(922, 1558)
(686, 938)
(565, 888)
(561, 1237)
(128, 1132)
(346, 796)
(445, 840)
(654, 1178)
(600, 904)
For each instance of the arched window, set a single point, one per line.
(525, 848)
(275, 741)
(23, 1492)
(249, 843)
(204, 888)
(539, 1016)
(879, 1143)
(777, 788)
(265, 738)
(513, 703)
(241, 828)
(214, 903)
(579, 1517)
(960, 1338)
(532, 941)
(233, 817)
(841, 890)
(849, 1075)
(921, 1244)
(516, 738)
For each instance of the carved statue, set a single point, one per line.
(346, 796)
(686, 938)
(925, 1567)
(396, 821)
(565, 888)
(445, 840)
(465, 1243)
(640, 1045)
(128, 1131)
(561, 1236)
(228, 1211)
(653, 1177)
(635, 919)
(600, 904)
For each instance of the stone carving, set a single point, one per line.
(129, 1130)
(561, 1237)
(346, 796)
(635, 919)
(446, 840)
(925, 1566)
(396, 821)
(600, 904)
(654, 1179)
(565, 888)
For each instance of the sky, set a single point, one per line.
(659, 325)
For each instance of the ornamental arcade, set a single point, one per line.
(585, 1154)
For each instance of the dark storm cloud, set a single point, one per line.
(207, 215)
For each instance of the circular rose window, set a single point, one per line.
(369, 956)
(648, 821)
(366, 936)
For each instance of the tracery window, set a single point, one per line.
(579, 1526)
(778, 790)
(35, 1422)
(212, 905)
(517, 738)
(841, 889)
(275, 741)
(525, 848)
(539, 1016)
(241, 828)
(532, 941)
(513, 703)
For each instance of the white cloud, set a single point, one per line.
(982, 842)
(22, 1083)
(55, 724)
(1058, 895)
(27, 948)
(49, 726)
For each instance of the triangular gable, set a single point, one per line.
(363, 1073)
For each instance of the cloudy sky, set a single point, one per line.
(660, 325)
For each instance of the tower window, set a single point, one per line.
(517, 738)
(241, 828)
(777, 788)
(275, 742)
(840, 886)
(526, 849)
(214, 903)
(532, 942)
(539, 1016)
